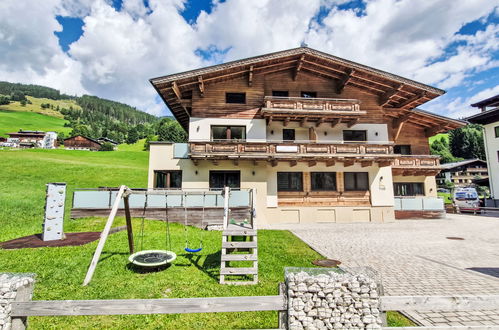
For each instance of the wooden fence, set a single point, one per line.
(23, 307)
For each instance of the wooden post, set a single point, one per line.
(23, 294)
(103, 236)
(283, 314)
(129, 228)
(226, 207)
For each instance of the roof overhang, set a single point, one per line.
(432, 123)
(392, 90)
(485, 117)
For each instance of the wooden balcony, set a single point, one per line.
(291, 151)
(416, 165)
(312, 109)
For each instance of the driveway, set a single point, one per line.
(415, 257)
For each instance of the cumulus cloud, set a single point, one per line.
(120, 50)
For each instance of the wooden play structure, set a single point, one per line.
(239, 238)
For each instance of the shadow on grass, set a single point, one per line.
(210, 265)
(146, 270)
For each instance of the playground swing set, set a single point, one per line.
(156, 258)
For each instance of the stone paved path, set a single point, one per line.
(414, 257)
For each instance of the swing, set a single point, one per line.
(154, 258)
(187, 248)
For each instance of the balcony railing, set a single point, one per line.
(284, 149)
(299, 104)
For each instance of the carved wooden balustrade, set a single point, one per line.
(307, 103)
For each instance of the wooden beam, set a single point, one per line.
(411, 100)
(441, 303)
(176, 90)
(344, 81)
(387, 96)
(103, 236)
(312, 163)
(384, 163)
(148, 306)
(319, 122)
(352, 122)
(303, 121)
(286, 121)
(269, 120)
(250, 76)
(431, 131)
(274, 162)
(335, 122)
(201, 85)
(366, 163)
(398, 124)
(293, 163)
(348, 162)
(330, 162)
(299, 64)
(195, 162)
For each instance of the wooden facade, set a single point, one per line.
(321, 97)
(80, 142)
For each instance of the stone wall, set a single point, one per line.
(326, 299)
(10, 285)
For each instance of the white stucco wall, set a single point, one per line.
(200, 128)
(491, 150)
(375, 132)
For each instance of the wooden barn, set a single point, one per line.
(80, 142)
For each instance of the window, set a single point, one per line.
(280, 93)
(288, 134)
(228, 133)
(235, 98)
(168, 179)
(408, 188)
(496, 130)
(402, 149)
(221, 179)
(323, 181)
(352, 135)
(356, 181)
(289, 181)
(309, 94)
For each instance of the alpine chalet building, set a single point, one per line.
(318, 138)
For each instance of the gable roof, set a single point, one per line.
(490, 102)
(85, 137)
(447, 166)
(393, 91)
(485, 117)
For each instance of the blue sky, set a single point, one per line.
(111, 48)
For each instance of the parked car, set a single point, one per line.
(466, 199)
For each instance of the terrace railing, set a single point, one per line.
(307, 103)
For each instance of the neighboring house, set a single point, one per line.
(489, 118)
(105, 139)
(317, 137)
(31, 139)
(463, 173)
(80, 142)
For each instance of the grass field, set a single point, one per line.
(438, 136)
(12, 121)
(36, 103)
(137, 146)
(60, 271)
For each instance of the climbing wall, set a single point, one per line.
(54, 211)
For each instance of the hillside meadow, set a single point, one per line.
(13, 121)
(36, 103)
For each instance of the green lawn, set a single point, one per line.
(12, 121)
(60, 271)
(137, 146)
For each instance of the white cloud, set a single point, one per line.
(120, 50)
(29, 49)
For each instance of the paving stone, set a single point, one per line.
(414, 257)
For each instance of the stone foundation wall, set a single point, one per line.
(10, 286)
(325, 299)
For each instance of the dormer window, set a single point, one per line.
(280, 93)
(239, 98)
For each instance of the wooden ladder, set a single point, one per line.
(229, 246)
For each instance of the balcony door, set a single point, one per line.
(354, 136)
(222, 133)
(288, 134)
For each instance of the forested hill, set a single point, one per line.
(90, 116)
